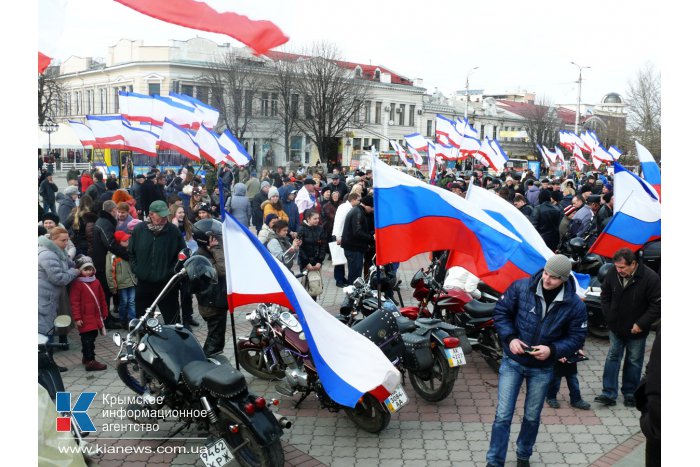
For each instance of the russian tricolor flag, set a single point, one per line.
(636, 221)
(412, 217)
(650, 169)
(348, 364)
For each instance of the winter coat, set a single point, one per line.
(119, 274)
(215, 299)
(648, 395)
(55, 273)
(546, 218)
(281, 248)
(153, 255)
(85, 182)
(256, 209)
(99, 202)
(268, 208)
(264, 234)
(290, 207)
(84, 306)
(356, 232)
(150, 192)
(581, 222)
(518, 314)
(638, 303)
(252, 187)
(48, 190)
(95, 190)
(313, 247)
(83, 236)
(239, 205)
(328, 216)
(526, 209)
(533, 195)
(65, 206)
(136, 193)
(103, 241)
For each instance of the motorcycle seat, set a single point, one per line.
(429, 323)
(477, 309)
(219, 380)
(405, 324)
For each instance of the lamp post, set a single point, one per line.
(466, 110)
(49, 126)
(578, 102)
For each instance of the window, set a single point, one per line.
(79, 103)
(375, 143)
(116, 100)
(429, 128)
(494, 132)
(264, 104)
(295, 149)
(248, 103)
(90, 94)
(378, 112)
(154, 89)
(103, 94)
(273, 105)
(176, 87)
(188, 90)
(66, 103)
(237, 102)
(203, 94)
(356, 113)
(481, 132)
(356, 144)
(358, 72)
(377, 74)
(368, 111)
(294, 111)
(391, 112)
(307, 107)
(365, 144)
(402, 113)
(411, 115)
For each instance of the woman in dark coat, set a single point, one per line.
(328, 214)
(80, 225)
(313, 242)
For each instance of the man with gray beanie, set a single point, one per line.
(256, 206)
(539, 320)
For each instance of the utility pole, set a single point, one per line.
(466, 110)
(578, 102)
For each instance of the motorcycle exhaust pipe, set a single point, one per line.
(284, 422)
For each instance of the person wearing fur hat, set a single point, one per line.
(122, 281)
(66, 203)
(50, 221)
(273, 205)
(530, 349)
(89, 309)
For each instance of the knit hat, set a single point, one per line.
(121, 236)
(264, 184)
(84, 261)
(270, 217)
(599, 182)
(71, 190)
(132, 224)
(273, 192)
(159, 207)
(368, 201)
(206, 207)
(570, 209)
(560, 266)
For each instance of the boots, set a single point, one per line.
(94, 365)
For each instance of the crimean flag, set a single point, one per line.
(260, 36)
(348, 364)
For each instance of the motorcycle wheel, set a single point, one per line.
(130, 375)
(251, 453)
(440, 379)
(369, 414)
(253, 361)
(489, 341)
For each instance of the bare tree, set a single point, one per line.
(331, 98)
(644, 108)
(543, 124)
(283, 83)
(235, 81)
(51, 95)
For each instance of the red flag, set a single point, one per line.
(44, 61)
(260, 36)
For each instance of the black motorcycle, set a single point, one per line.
(166, 366)
(430, 351)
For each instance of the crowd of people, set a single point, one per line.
(107, 245)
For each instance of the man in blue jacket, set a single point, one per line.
(539, 320)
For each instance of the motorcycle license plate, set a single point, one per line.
(217, 454)
(397, 400)
(455, 357)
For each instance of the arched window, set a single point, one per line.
(377, 74)
(358, 72)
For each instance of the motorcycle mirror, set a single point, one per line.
(182, 256)
(62, 321)
(117, 339)
(358, 283)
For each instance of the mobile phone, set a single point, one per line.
(529, 349)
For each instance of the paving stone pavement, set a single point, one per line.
(453, 432)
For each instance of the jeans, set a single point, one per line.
(510, 378)
(49, 207)
(355, 261)
(633, 349)
(127, 304)
(571, 382)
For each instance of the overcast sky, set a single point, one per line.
(515, 44)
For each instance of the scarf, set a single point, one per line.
(86, 279)
(155, 228)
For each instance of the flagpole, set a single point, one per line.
(379, 274)
(220, 183)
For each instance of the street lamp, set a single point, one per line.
(49, 126)
(578, 102)
(466, 110)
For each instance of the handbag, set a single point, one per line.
(102, 329)
(313, 283)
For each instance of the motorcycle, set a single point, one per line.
(277, 349)
(167, 366)
(456, 307)
(51, 380)
(428, 350)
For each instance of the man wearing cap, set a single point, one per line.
(539, 320)
(357, 238)
(307, 197)
(337, 185)
(153, 252)
(66, 203)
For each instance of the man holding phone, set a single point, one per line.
(539, 320)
